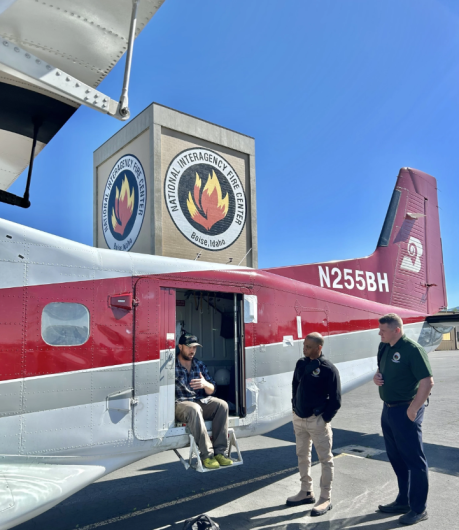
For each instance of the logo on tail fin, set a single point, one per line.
(413, 261)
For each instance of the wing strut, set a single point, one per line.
(123, 107)
(29, 67)
(11, 198)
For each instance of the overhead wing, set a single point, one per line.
(53, 55)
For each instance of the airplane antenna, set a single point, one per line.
(124, 101)
(244, 256)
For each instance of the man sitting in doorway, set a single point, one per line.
(194, 403)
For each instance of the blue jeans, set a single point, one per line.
(403, 439)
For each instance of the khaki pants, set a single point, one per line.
(195, 413)
(308, 431)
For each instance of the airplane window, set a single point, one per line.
(65, 324)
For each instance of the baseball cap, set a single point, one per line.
(189, 340)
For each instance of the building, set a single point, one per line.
(450, 340)
(174, 185)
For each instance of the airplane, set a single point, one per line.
(87, 379)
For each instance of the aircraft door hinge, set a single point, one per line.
(134, 401)
(135, 302)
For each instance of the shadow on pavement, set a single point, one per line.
(164, 484)
(255, 519)
(168, 482)
(441, 458)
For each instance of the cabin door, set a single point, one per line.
(154, 359)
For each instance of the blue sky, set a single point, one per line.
(339, 95)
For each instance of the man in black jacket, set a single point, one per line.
(316, 398)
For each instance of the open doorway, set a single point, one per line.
(216, 318)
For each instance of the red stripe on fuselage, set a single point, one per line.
(280, 300)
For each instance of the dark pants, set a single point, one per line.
(403, 439)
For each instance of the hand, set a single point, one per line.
(196, 384)
(411, 413)
(378, 379)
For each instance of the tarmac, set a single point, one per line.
(158, 494)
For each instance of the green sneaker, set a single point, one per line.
(223, 461)
(210, 463)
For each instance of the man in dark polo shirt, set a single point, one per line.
(404, 378)
(316, 398)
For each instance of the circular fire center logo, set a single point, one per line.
(123, 203)
(205, 198)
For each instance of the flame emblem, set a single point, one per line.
(211, 208)
(124, 206)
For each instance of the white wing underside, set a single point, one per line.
(83, 38)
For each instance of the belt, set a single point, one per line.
(398, 404)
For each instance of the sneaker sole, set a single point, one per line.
(299, 503)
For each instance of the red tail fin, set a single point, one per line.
(406, 269)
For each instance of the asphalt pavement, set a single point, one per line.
(157, 493)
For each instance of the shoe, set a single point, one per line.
(303, 497)
(223, 461)
(394, 507)
(322, 506)
(210, 463)
(413, 517)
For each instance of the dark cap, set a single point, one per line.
(189, 340)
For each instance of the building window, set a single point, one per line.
(65, 324)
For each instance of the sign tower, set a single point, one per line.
(174, 185)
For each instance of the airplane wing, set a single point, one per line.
(27, 487)
(53, 55)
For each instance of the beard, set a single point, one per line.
(187, 356)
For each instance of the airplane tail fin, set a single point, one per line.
(406, 269)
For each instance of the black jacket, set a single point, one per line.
(319, 391)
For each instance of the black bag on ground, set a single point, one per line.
(201, 522)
